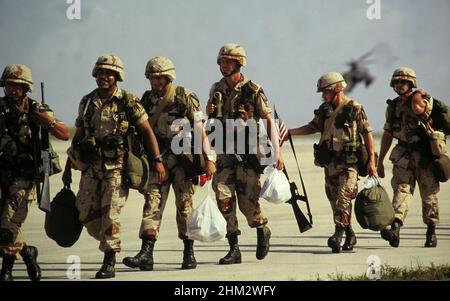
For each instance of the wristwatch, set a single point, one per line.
(158, 159)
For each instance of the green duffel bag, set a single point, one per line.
(62, 223)
(137, 171)
(373, 208)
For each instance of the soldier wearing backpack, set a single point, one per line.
(412, 157)
(105, 117)
(342, 122)
(168, 104)
(20, 120)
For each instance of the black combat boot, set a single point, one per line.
(394, 240)
(29, 255)
(334, 242)
(144, 259)
(234, 255)
(7, 266)
(350, 239)
(263, 242)
(107, 270)
(189, 261)
(431, 241)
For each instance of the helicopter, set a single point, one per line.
(358, 72)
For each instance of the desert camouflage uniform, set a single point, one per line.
(233, 180)
(102, 194)
(18, 189)
(412, 162)
(341, 178)
(157, 194)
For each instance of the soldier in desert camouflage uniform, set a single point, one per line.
(340, 121)
(105, 116)
(237, 181)
(167, 104)
(19, 121)
(411, 156)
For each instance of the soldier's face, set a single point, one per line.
(159, 83)
(105, 78)
(328, 95)
(228, 67)
(14, 91)
(402, 86)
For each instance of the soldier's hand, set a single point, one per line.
(210, 169)
(41, 118)
(380, 169)
(161, 171)
(210, 108)
(280, 164)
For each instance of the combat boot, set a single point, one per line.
(431, 241)
(263, 242)
(350, 239)
(107, 270)
(234, 255)
(7, 266)
(334, 242)
(144, 259)
(189, 261)
(395, 234)
(29, 255)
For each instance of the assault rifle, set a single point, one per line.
(303, 223)
(42, 163)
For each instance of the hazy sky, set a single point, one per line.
(289, 45)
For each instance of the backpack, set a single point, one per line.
(440, 115)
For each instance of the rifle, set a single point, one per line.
(303, 223)
(42, 172)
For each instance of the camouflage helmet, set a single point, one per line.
(110, 62)
(19, 74)
(233, 52)
(404, 73)
(159, 66)
(331, 81)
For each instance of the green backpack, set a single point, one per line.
(373, 209)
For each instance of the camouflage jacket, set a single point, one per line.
(113, 117)
(181, 105)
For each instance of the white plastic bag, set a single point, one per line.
(276, 188)
(206, 223)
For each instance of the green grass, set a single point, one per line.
(412, 273)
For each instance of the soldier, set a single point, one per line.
(341, 121)
(166, 104)
(411, 157)
(236, 97)
(20, 118)
(105, 117)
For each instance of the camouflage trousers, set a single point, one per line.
(100, 199)
(156, 197)
(411, 167)
(341, 189)
(234, 181)
(14, 211)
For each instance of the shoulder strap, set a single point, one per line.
(2, 115)
(329, 122)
